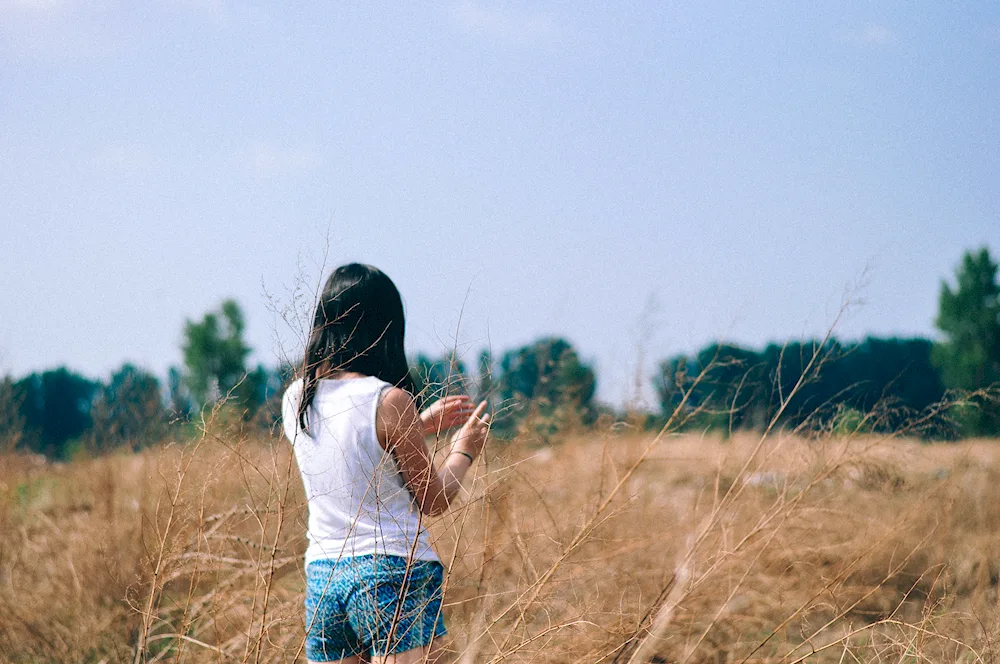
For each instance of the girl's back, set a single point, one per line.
(374, 586)
(358, 502)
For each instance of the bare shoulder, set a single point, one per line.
(396, 414)
(397, 403)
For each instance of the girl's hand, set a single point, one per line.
(471, 438)
(445, 413)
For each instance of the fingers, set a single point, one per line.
(479, 422)
(473, 434)
(449, 411)
(455, 403)
(456, 412)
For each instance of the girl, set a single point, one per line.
(373, 583)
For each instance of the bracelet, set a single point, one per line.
(465, 454)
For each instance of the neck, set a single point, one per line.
(325, 372)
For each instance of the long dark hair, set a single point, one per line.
(358, 327)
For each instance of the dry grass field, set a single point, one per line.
(604, 547)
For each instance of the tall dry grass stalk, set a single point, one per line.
(610, 546)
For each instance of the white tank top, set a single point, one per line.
(358, 502)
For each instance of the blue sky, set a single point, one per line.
(629, 175)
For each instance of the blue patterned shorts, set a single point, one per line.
(371, 605)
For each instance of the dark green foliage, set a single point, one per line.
(215, 357)
(807, 377)
(895, 377)
(545, 380)
(129, 410)
(733, 381)
(969, 317)
(872, 385)
(484, 382)
(725, 384)
(548, 369)
(436, 378)
(808, 384)
(675, 377)
(254, 389)
(271, 384)
(179, 402)
(55, 409)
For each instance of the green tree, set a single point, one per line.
(129, 410)
(484, 381)
(215, 357)
(969, 317)
(55, 407)
(895, 381)
(674, 378)
(548, 381)
(891, 380)
(255, 389)
(178, 395)
(436, 378)
(728, 392)
(272, 386)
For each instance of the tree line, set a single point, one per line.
(942, 389)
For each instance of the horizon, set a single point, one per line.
(640, 180)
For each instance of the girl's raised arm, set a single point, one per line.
(401, 432)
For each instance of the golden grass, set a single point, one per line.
(837, 550)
